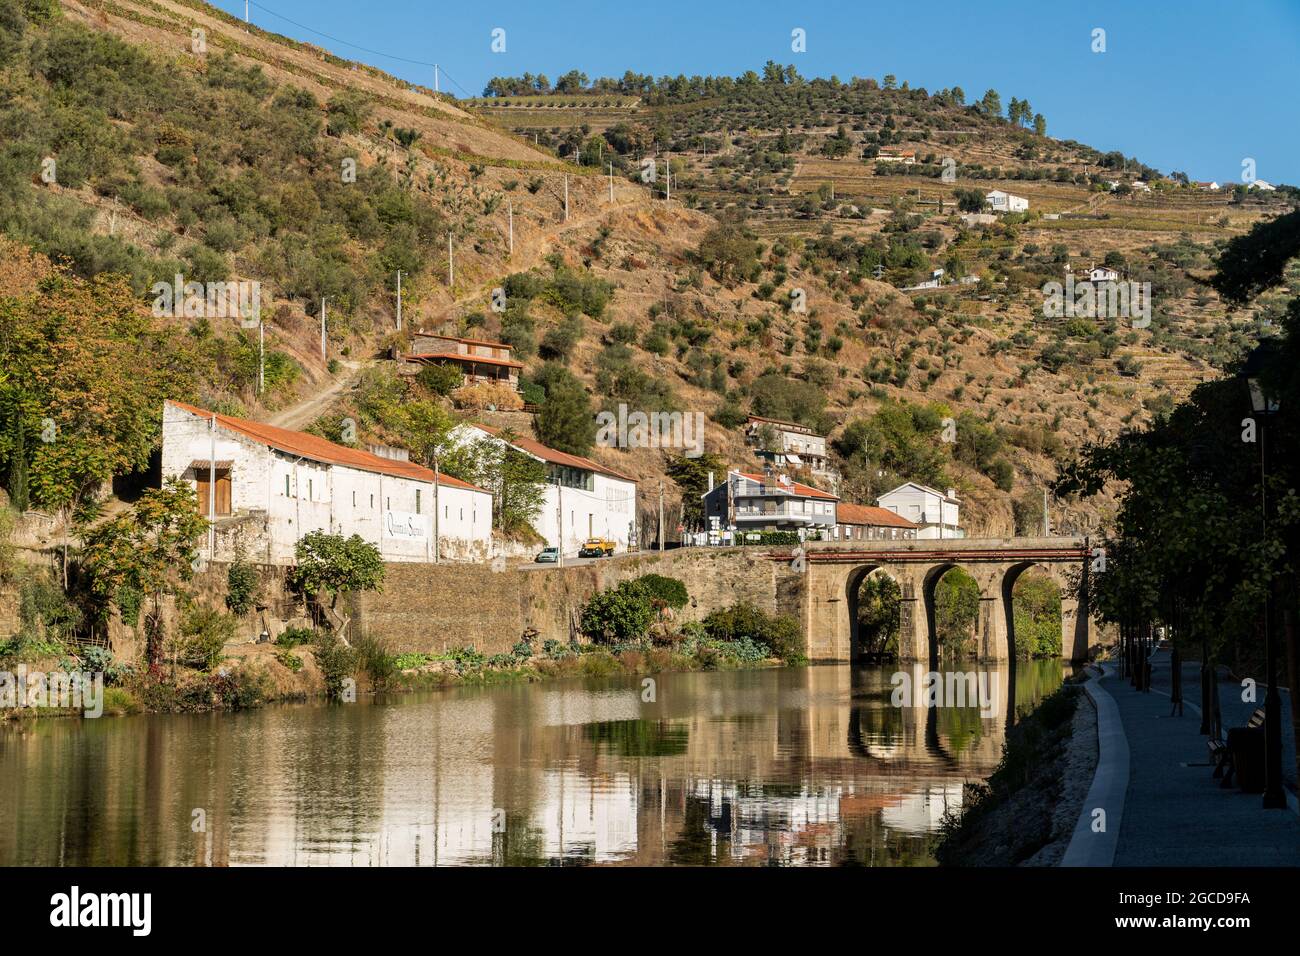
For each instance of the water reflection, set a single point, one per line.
(809, 766)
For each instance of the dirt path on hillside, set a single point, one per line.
(298, 416)
(301, 414)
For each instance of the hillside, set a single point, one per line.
(230, 163)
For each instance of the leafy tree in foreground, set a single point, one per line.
(329, 564)
(148, 550)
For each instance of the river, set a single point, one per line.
(802, 766)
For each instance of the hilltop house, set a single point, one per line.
(1209, 186)
(479, 360)
(892, 154)
(864, 523)
(935, 513)
(1102, 274)
(779, 443)
(769, 502)
(273, 486)
(583, 498)
(1263, 185)
(1000, 201)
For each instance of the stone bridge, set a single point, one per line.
(833, 573)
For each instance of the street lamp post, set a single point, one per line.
(1264, 404)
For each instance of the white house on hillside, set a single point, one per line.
(273, 486)
(584, 499)
(934, 512)
(1000, 201)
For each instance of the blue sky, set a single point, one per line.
(1191, 85)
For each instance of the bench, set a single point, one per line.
(1221, 753)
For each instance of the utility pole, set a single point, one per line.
(1046, 532)
(245, 11)
(566, 197)
(611, 182)
(212, 488)
(510, 217)
(668, 178)
(323, 300)
(399, 300)
(436, 515)
(435, 78)
(661, 516)
(559, 523)
(451, 265)
(261, 355)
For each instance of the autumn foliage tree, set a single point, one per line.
(150, 551)
(81, 386)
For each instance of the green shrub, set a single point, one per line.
(440, 378)
(374, 660)
(336, 662)
(293, 636)
(618, 614)
(204, 632)
(778, 633)
(242, 585)
(670, 592)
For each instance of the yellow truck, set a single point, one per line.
(596, 548)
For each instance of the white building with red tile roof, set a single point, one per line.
(273, 486)
(769, 501)
(584, 499)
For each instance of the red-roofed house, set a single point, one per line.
(865, 523)
(273, 486)
(770, 502)
(588, 499)
(480, 360)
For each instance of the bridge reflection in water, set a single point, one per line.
(807, 766)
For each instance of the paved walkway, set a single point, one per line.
(1174, 812)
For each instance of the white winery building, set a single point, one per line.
(273, 486)
(583, 499)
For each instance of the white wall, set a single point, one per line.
(294, 497)
(924, 508)
(607, 511)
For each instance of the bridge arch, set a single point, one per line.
(853, 596)
(1074, 627)
(986, 644)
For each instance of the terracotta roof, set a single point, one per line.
(554, 456)
(777, 421)
(461, 357)
(866, 515)
(318, 449)
(796, 487)
(455, 338)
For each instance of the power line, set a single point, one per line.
(356, 46)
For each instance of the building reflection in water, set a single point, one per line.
(808, 766)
